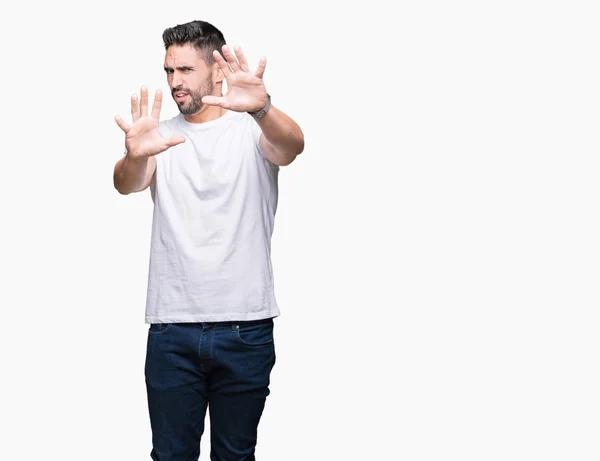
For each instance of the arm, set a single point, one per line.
(282, 139)
(133, 175)
(143, 140)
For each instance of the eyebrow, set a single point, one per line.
(180, 68)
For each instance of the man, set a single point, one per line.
(212, 172)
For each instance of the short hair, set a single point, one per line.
(200, 34)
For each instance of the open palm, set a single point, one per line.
(245, 90)
(143, 137)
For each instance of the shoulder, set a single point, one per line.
(243, 126)
(237, 119)
(168, 125)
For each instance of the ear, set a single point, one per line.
(217, 74)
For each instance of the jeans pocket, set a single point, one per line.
(159, 328)
(255, 333)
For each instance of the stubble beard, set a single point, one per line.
(195, 104)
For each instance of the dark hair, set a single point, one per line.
(200, 34)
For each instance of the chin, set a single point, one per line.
(183, 107)
(191, 110)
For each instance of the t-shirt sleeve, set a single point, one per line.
(256, 132)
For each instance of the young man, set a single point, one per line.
(212, 172)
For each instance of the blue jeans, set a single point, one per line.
(224, 366)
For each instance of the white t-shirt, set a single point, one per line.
(215, 197)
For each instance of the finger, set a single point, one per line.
(124, 126)
(241, 58)
(215, 101)
(135, 108)
(231, 59)
(262, 63)
(157, 104)
(175, 140)
(144, 104)
(222, 64)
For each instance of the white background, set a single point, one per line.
(436, 246)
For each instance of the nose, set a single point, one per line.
(176, 80)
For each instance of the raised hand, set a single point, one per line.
(143, 137)
(245, 90)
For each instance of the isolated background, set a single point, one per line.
(436, 245)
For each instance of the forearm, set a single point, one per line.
(131, 175)
(284, 136)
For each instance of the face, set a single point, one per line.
(189, 77)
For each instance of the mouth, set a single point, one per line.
(180, 96)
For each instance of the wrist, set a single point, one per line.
(260, 113)
(135, 157)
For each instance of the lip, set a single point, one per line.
(180, 96)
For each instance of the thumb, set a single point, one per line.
(124, 126)
(214, 101)
(175, 140)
